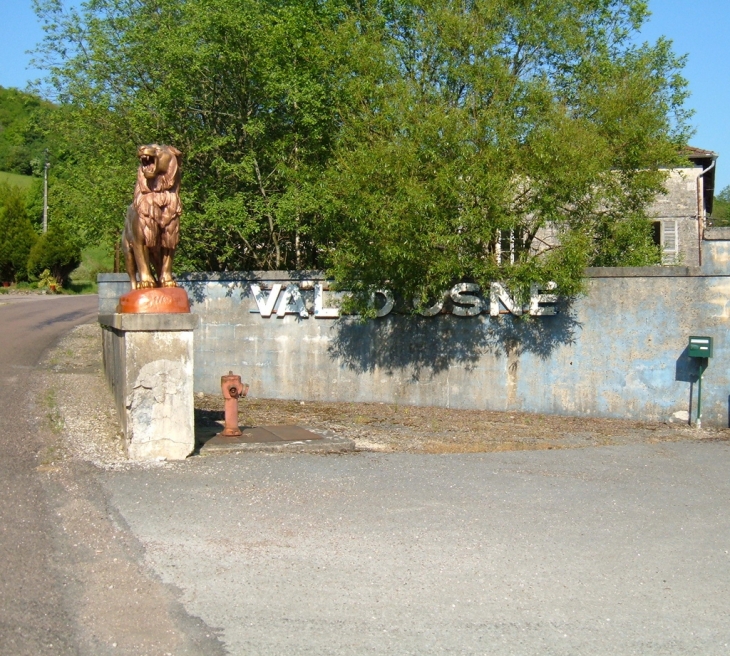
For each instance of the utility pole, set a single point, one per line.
(45, 193)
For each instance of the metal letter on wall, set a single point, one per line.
(430, 311)
(497, 293)
(473, 303)
(466, 303)
(321, 312)
(265, 305)
(291, 302)
(536, 310)
(387, 306)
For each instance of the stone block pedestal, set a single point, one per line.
(148, 362)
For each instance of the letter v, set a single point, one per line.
(265, 305)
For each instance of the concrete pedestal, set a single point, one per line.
(148, 361)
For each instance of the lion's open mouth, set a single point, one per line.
(148, 163)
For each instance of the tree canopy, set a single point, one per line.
(244, 89)
(55, 251)
(400, 143)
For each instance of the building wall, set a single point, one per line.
(676, 211)
(618, 351)
(679, 205)
(716, 251)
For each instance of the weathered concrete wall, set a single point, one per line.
(148, 361)
(716, 251)
(619, 351)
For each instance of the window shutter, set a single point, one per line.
(669, 237)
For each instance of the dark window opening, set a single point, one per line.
(657, 232)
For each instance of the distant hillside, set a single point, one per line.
(21, 140)
(15, 179)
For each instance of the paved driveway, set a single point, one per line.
(619, 550)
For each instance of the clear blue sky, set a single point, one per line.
(698, 28)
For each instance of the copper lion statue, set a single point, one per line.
(152, 227)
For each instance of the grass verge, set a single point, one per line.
(16, 180)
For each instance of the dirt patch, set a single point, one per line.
(392, 427)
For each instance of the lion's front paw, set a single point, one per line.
(146, 284)
(168, 283)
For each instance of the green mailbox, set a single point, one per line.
(700, 347)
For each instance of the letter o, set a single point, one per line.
(387, 306)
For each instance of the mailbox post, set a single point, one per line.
(700, 348)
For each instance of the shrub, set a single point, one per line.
(17, 236)
(47, 281)
(56, 252)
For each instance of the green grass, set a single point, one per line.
(94, 260)
(14, 179)
(82, 287)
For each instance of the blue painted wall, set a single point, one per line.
(618, 351)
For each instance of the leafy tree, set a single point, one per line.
(34, 203)
(400, 143)
(243, 88)
(540, 124)
(56, 251)
(16, 234)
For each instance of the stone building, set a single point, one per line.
(680, 215)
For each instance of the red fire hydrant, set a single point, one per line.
(232, 389)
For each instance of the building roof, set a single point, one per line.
(699, 153)
(706, 160)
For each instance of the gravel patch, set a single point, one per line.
(390, 427)
(11, 291)
(79, 406)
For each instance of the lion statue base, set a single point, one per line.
(158, 300)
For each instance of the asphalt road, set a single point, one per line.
(72, 576)
(32, 615)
